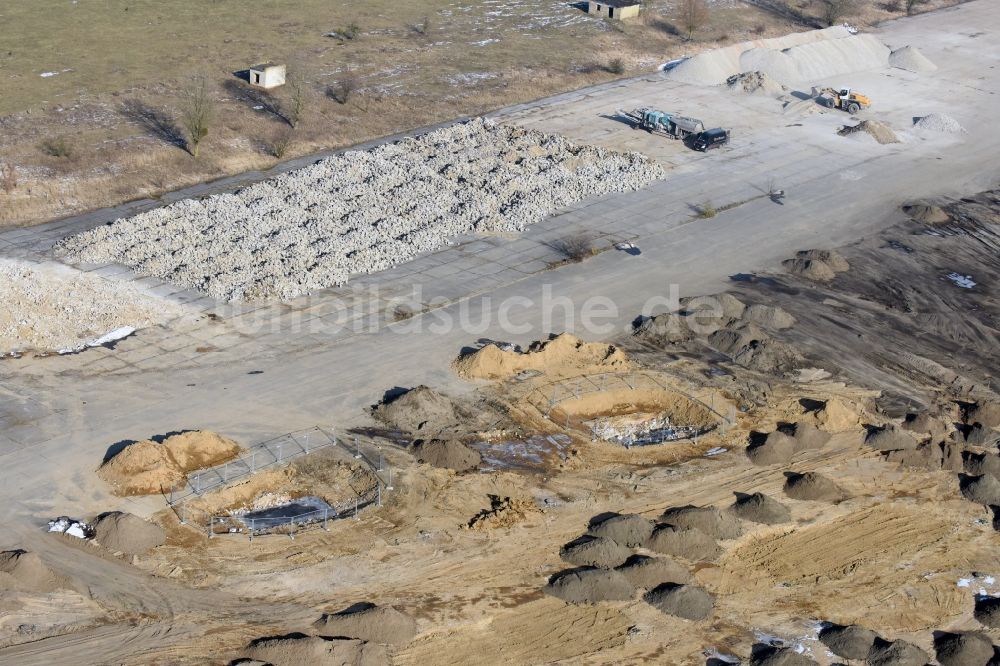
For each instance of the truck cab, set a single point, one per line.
(712, 138)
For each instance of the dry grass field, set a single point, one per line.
(94, 92)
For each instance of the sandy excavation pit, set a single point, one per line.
(362, 211)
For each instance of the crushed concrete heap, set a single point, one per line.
(362, 211)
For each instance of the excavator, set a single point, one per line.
(844, 99)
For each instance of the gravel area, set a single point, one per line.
(362, 211)
(49, 307)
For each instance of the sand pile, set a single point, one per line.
(983, 489)
(417, 410)
(818, 265)
(759, 508)
(927, 213)
(965, 649)
(125, 533)
(149, 467)
(896, 653)
(776, 448)
(849, 642)
(874, 128)
(299, 650)
(780, 656)
(911, 59)
(629, 530)
(815, 54)
(562, 354)
(708, 519)
(930, 456)
(987, 611)
(370, 623)
(939, 122)
(26, 572)
(648, 572)
(769, 316)
(753, 82)
(986, 413)
(362, 211)
(588, 551)
(51, 307)
(589, 586)
(833, 415)
(889, 438)
(447, 453)
(504, 512)
(687, 601)
(813, 486)
(691, 544)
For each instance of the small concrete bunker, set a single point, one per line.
(614, 9)
(267, 76)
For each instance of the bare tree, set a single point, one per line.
(911, 6)
(834, 10)
(197, 115)
(297, 100)
(694, 15)
(341, 91)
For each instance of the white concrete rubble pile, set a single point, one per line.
(51, 307)
(362, 211)
(939, 122)
(794, 59)
(630, 433)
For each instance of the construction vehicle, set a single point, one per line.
(844, 99)
(663, 122)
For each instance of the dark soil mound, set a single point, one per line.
(978, 435)
(447, 453)
(813, 486)
(419, 410)
(691, 544)
(708, 519)
(122, 532)
(589, 551)
(978, 464)
(849, 642)
(896, 653)
(759, 508)
(589, 586)
(299, 650)
(750, 346)
(925, 424)
(776, 449)
(780, 656)
(628, 530)
(983, 489)
(890, 439)
(649, 572)
(963, 649)
(375, 624)
(687, 601)
(988, 611)
(986, 412)
(941, 455)
(807, 436)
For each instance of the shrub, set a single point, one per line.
(341, 90)
(574, 248)
(759, 29)
(707, 211)
(57, 147)
(616, 66)
(8, 178)
(278, 146)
